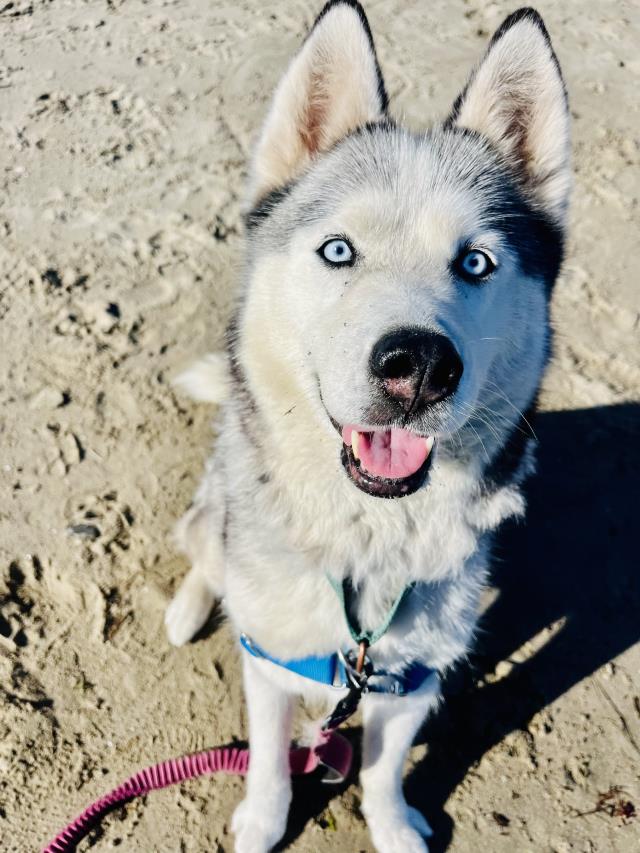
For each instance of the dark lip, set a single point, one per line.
(381, 487)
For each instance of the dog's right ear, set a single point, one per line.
(333, 86)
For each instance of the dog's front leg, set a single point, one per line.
(260, 820)
(390, 725)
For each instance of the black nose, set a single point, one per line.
(416, 367)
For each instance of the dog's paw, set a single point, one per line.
(398, 831)
(189, 609)
(257, 827)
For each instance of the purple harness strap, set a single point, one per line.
(330, 750)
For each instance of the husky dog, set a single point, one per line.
(392, 327)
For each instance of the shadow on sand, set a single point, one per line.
(573, 559)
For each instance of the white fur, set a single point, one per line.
(205, 381)
(275, 513)
(389, 730)
(260, 820)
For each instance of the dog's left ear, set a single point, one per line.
(517, 99)
(333, 86)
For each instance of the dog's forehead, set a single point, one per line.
(394, 190)
(392, 181)
(416, 223)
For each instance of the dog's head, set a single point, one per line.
(399, 280)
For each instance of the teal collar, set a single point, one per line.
(345, 593)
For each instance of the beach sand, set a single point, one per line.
(125, 132)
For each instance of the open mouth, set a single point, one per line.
(388, 463)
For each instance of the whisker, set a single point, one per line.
(474, 413)
(480, 440)
(515, 408)
(477, 340)
(510, 421)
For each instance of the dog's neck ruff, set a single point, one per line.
(337, 669)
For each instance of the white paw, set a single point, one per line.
(257, 826)
(189, 609)
(399, 830)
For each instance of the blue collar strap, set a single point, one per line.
(331, 670)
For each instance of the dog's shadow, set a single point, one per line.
(571, 566)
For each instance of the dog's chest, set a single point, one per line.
(279, 556)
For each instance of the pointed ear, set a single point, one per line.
(333, 86)
(516, 98)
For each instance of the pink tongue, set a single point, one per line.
(393, 454)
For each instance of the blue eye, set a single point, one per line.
(337, 252)
(474, 265)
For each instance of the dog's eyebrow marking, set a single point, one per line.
(536, 240)
(266, 205)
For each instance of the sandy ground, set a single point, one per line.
(125, 128)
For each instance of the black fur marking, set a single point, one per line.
(503, 468)
(383, 125)
(538, 242)
(238, 378)
(266, 205)
(231, 340)
(353, 4)
(225, 526)
(247, 408)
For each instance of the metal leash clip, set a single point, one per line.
(358, 669)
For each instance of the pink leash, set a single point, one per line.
(330, 750)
